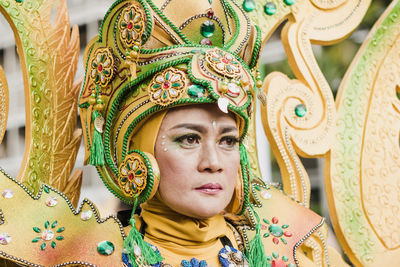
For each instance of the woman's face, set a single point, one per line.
(198, 154)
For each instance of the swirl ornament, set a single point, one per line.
(102, 67)
(223, 63)
(133, 175)
(167, 87)
(131, 25)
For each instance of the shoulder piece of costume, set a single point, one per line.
(52, 232)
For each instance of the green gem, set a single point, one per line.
(167, 76)
(124, 179)
(257, 188)
(105, 248)
(46, 224)
(249, 5)
(270, 8)
(135, 48)
(61, 229)
(196, 90)
(139, 172)
(284, 240)
(165, 94)
(60, 237)
(176, 84)
(207, 28)
(137, 26)
(276, 230)
(156, 86)
(35, 239)
(36, 229)
(266, 221)
(266, 235)
(285, 258)
(285, 226)
(300, 110)
(268, 257)
(291, 265)
(54, 224)
(53, 244)
(275, 255)
(210, 2)
(19, 1)
(268, 264)
(43, 246)
(46, 189)
(289, 2)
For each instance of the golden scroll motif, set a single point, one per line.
(299, 115)
(363, 185)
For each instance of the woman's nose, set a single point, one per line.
(209, 159)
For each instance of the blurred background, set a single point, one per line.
(87, 14)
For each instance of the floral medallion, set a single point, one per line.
(102, 67)
(167, 86)
(132, 175)
(223, 63)
(48, 234)
(278, 233)
(131, 25)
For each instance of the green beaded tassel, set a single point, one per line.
(97, 148)
(256, 252)
(137, 249)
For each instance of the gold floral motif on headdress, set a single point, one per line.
(167, 86)
(223, 63)
(102, 67)
(132, 175)
(131, 25)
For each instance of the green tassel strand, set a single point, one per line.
(97, 148)
(144, 253)
(256, 252)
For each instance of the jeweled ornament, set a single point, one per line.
(233, 89)
(223, 62)
(289, 2)
(47, 235)
(196, 91)
(105, 248)
(102, 67)
(51, 201)
(229, 256)
(300, 110)
(249, 5)
(206, 41)
(207, 29)
(7, 193)
(131, 26)
(86, 215)
(167, 87)
(5, 238)
(270, 8)
(133, 174)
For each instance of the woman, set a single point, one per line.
(165, 121)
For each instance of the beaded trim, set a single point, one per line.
(165, 4)
(298, 244)
(74, 211)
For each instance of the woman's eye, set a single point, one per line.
(188, 140)
(229, 141)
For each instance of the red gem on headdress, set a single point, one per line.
(225, 60)
(131, 176)
(275, 220)
(210, 13)
(206, 41)
(130, 26)
(275, 240)
(166, 85)
(100, 67)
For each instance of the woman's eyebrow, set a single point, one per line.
(228, 129)
(190, 126)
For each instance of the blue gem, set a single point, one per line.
(194, 262)
(203, 264)
(185, 263)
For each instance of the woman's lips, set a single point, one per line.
(210, 188)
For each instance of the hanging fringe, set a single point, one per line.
(97, 148)
(137, 249)
(256, 252)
